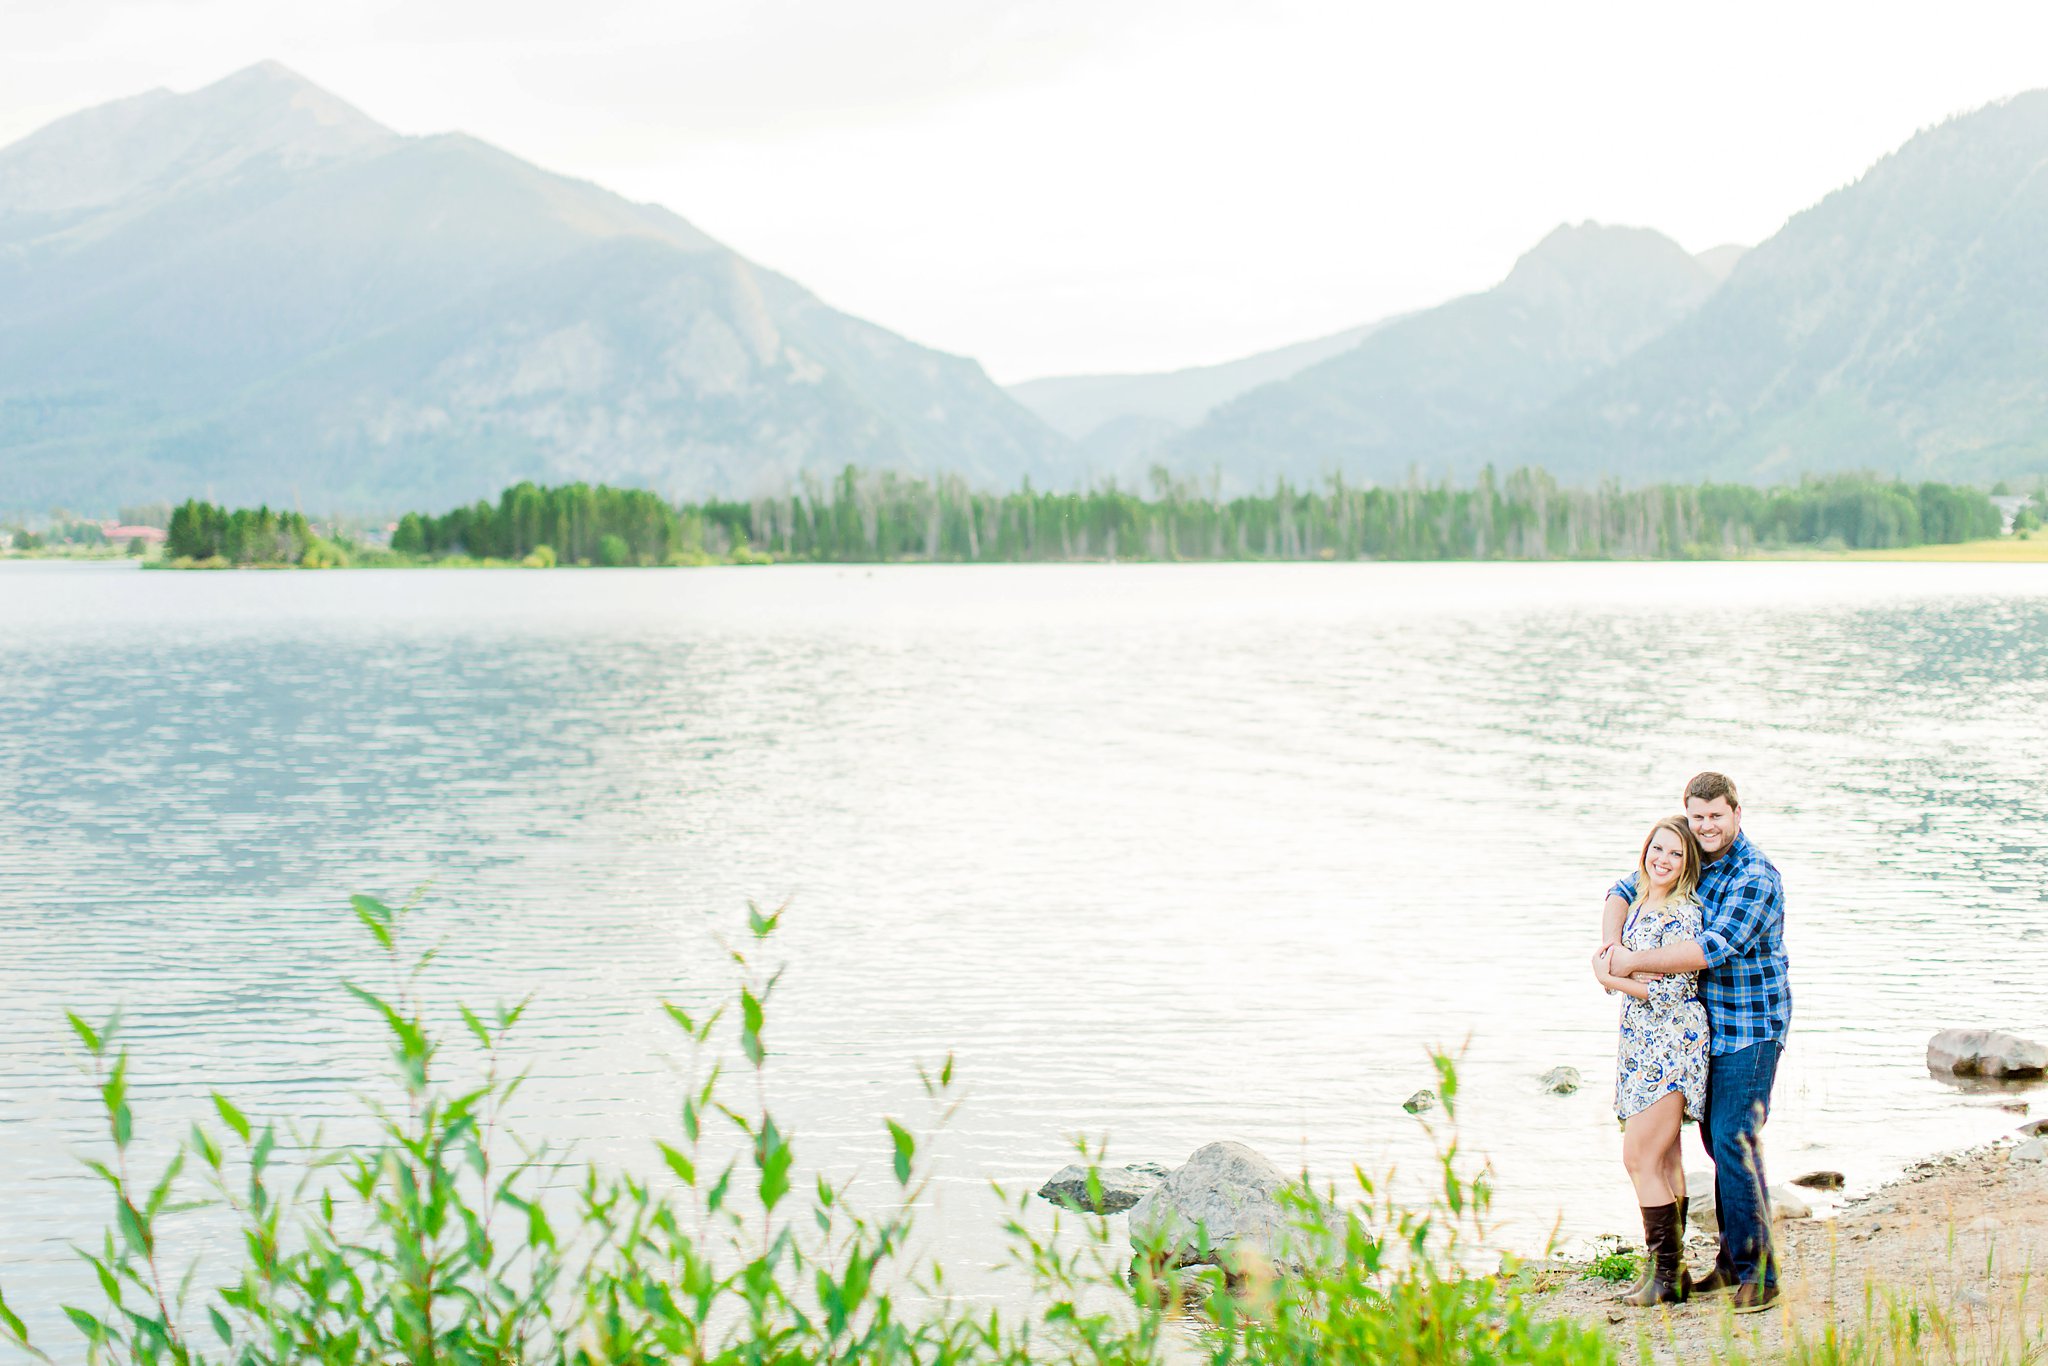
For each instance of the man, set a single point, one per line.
(1740, 955)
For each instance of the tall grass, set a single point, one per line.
(447, 1239)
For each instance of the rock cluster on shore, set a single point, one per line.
(1221, 1206)
(1786, 1203)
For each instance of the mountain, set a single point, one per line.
(256, 290)
(1121, 419)
(1901, 324)
(1720, 261)
(1446, 388)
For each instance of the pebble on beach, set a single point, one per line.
(1561, 1081)
(1425, 1099)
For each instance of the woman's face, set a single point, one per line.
(1664, 859)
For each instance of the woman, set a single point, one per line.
(1660, 1074)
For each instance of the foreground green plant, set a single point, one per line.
(446, 1239)
(1619, 1267)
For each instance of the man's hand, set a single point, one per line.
(1620, 961)
(1601, 969)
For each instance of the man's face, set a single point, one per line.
(1714, 823)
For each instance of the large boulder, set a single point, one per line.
(1699, 1190)
(1222, 1204)
(1786, 1203)
(1985, 1053)
(1120, 1187)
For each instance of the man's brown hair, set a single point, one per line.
(1707, 786)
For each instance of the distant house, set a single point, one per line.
(2009, 505)
(151, 535)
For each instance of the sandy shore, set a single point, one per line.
(1949, 1263)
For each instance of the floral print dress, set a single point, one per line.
(1664, 1039)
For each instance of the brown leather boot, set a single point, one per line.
(1649, 1271)
(1715, 1282)
(1661, 1250)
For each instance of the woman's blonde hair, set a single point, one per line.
(1688, 872)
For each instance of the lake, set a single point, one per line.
(1163, 854)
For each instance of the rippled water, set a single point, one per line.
(1167, 854)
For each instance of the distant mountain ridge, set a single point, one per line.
(254, 291)
(1121, 419)
(1444, 389)
(1901, 324)
(257, 290)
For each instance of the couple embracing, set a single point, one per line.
(1695, 939)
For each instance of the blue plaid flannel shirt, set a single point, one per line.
(1746, 987)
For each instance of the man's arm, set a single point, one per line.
(1746, 910)
(1686, 957)
(1618, 898)
(1610, 918)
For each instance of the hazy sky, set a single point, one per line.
(1088, 185)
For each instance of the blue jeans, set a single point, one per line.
(1738, 1102)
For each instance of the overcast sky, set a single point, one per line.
(1094, 185)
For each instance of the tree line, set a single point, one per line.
(869, 516)
(205, 533)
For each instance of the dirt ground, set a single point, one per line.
(1947, 1264)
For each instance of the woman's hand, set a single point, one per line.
(1603, 973)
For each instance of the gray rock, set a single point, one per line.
(1121, 1188)
(1561, 1081)
(1158, 1169)
(1821, 1181)
(2033, 1150)
(1786, 1203)
(1425, 1099)
(2033, 1128)
(1985, 1053)
(1699, 1188)
(1220, 1206)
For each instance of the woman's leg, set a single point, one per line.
(1648, 1140)
(1674, 1176)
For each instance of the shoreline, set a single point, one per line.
(2002, 551)
(1944, 1253)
